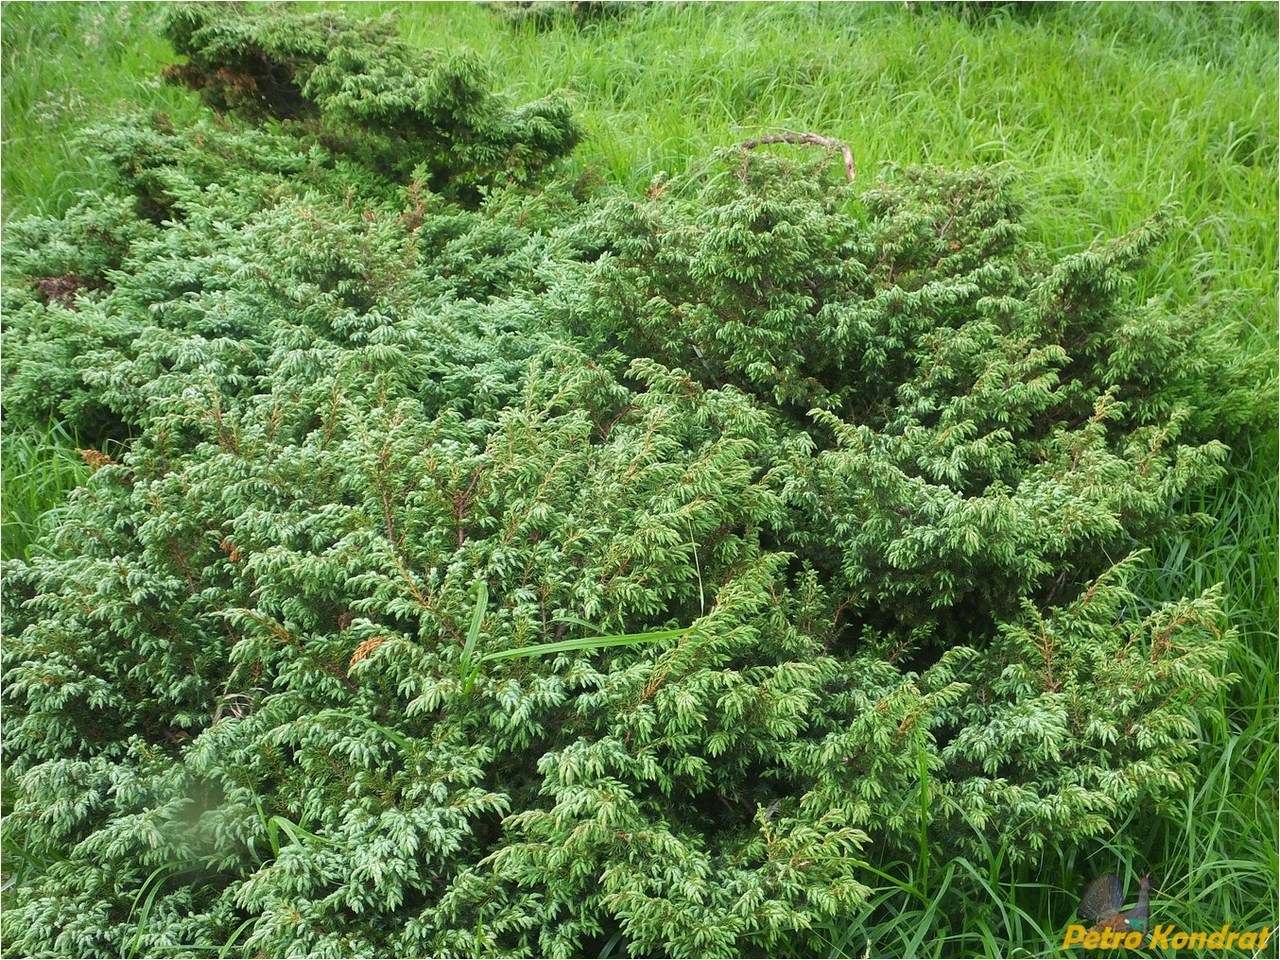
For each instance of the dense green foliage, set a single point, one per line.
(372, 95)
(888, 460)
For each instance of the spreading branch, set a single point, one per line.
(813, 139)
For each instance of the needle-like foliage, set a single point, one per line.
(499, 572)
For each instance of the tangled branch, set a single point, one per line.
(813, 139)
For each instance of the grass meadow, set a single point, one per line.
(1107, 111)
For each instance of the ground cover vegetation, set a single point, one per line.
(492, 542)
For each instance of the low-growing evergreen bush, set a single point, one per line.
(881, 468)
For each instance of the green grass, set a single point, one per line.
(1107, 111)
(66, 65)
(37, 472)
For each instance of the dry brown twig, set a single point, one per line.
(811, 139)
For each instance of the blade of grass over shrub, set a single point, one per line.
(470, 663)
(150, 888)
(467, 663)
(226, 950)
(586, 643)
(398, 739)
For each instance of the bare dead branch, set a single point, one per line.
(811, 139)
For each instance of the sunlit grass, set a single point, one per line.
(66, 65)
(37, 472)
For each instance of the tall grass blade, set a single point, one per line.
(587, 643)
